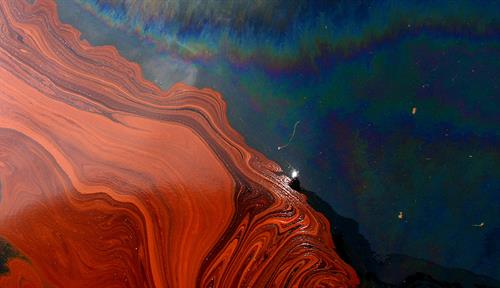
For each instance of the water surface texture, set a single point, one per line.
(392, 105)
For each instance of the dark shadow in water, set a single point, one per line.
(7, 251)
(395, 270)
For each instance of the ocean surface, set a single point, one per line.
(387, 109)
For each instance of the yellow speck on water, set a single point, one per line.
(400, 215)
(414, 110)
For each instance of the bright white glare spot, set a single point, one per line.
(295, 173)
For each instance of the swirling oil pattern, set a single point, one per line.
(107, 181)
(352, 72)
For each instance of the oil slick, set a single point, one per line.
(127, 185)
